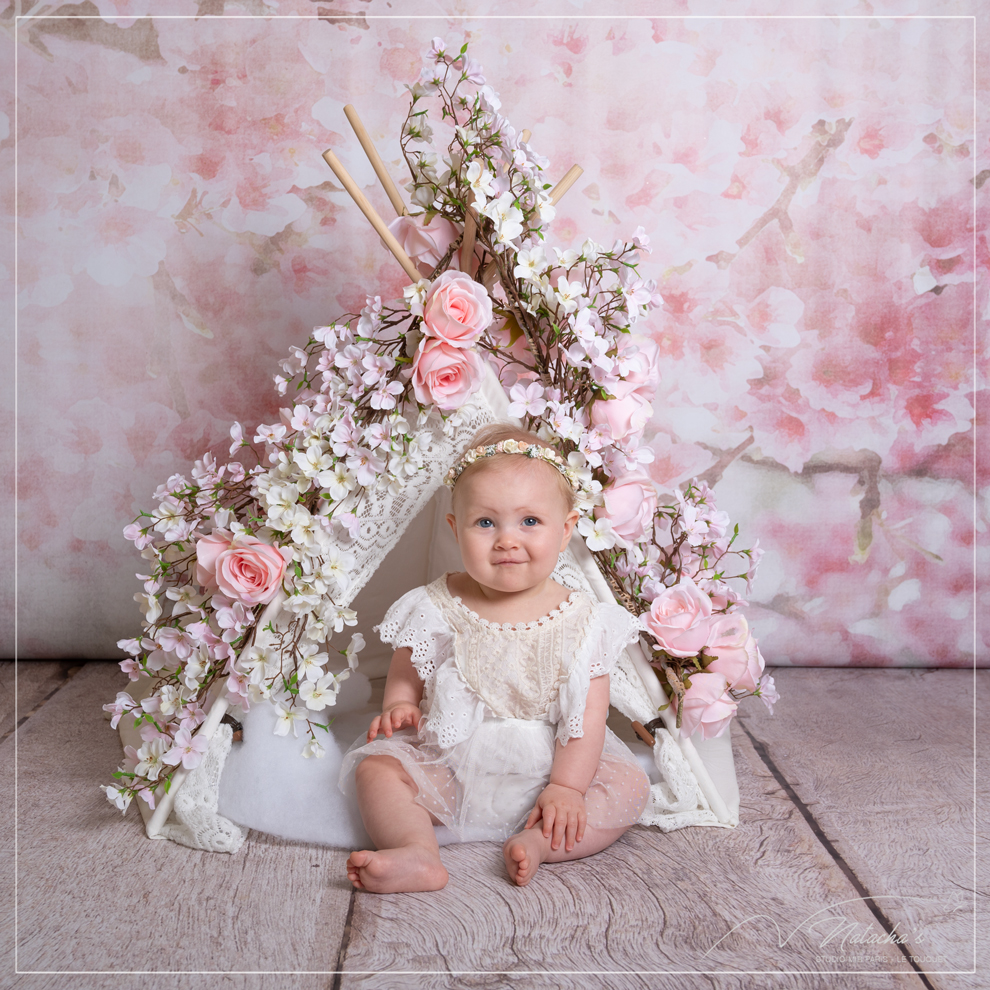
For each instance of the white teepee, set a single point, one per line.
(264, 782)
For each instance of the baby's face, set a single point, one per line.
(511, 523)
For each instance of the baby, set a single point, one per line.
(493, 720)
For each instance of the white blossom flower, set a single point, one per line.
(313, 460)
(506, 216)
(415, 296)
(338, 484)
(150, 606)
(169, 700)
(150, 763)
(340, 617)
(286, 720)
(597, 533)
(530, 263)
(313, 748)
(353, 648)
(318, 694)
(310, 663)
(272, 434)
(567, 259)
(568, 294)
(117, 797)
(480, 183)
(170, 516)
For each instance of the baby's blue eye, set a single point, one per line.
(485, 523)
(531, 521)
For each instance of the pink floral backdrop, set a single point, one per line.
(813, 192)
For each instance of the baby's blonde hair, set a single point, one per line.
(497, 432)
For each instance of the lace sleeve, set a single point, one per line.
(617, 629)
(609, 632)
(414, 621)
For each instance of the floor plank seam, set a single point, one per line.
(69, 672)
(345, 941)
(830, 848)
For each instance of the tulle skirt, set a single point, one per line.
(485, 787)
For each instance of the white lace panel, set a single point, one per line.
(384, 517)
(515, 668)
(194, 820)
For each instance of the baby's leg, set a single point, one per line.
(614, 802)
(407, 857)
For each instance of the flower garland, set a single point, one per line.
(559, 329)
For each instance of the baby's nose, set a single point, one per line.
(506, 538)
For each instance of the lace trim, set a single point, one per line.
(194, 820)
(539, 623)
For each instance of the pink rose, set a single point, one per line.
(444, 374)
(707, 705)
(737, 655)
(630, 504)
(624, 417)
(241, 567)
(680, 619)
(457, 309)
(426, 245)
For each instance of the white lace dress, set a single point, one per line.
(496, 699)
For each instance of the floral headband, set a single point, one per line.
(580, 481)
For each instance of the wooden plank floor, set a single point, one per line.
(857, 821)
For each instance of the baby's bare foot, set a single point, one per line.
(524, 853)
(392, 871)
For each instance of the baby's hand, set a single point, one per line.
(394, 717)
(564, 815)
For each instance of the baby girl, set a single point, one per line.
(493, 720)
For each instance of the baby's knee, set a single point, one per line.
(377, 765)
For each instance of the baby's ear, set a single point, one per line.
(569, 523)
(453, 524)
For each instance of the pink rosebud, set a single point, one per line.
(241, 567)
(680, 619)
(737, 655)
(457, 309)
(630, 505)
(426, 245)
(707, 705)
(445, 375)
(624, 417)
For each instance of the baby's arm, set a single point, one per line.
(403, 692)
(561, 803)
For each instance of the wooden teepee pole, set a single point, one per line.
(373, 218)
(467, 241)
(573, 174)
(376, 160)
